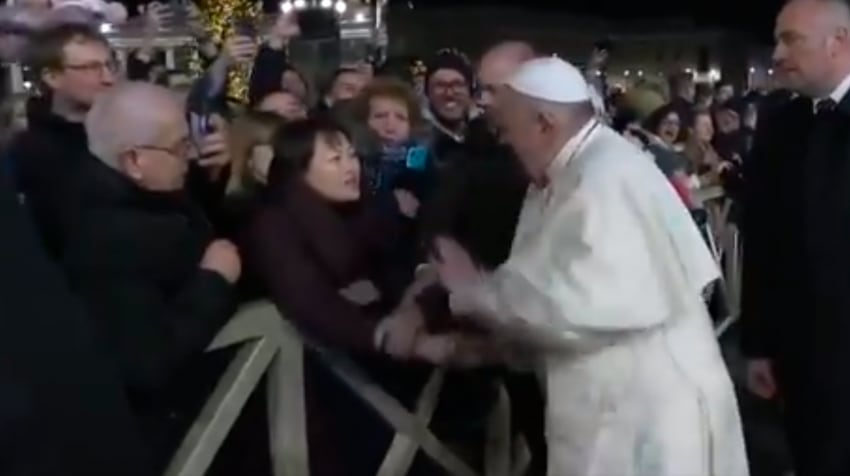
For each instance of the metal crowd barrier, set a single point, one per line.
(271, 345)
(724, 241)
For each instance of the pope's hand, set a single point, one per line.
(454, 265)
(760, 379)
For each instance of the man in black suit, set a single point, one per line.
(796, 301)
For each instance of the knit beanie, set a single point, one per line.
(453, 60)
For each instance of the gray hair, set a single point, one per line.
(126, 116)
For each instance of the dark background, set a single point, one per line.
(749, 15)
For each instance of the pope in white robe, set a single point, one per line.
(605, 280)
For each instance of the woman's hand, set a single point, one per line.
(436, 349)
(401, 331)
(459, 350)
(408, 204)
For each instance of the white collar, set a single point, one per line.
(838, 93)
(571, 148)
(841, 90)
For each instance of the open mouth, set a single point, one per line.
(352, 182)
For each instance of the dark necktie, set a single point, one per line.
(824, 106)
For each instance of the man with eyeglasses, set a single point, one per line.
(73, 64)
(144, 258)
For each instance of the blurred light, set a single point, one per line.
(340, 6)
(640, 72)
(770, 72)
(714, 74)
(27, 85)
(626, 73)
(326, 4)
(286, 7)
(689, 70)
(300, 4)
(360, 17)
(105, 28)
(752, 70)
(598, 73)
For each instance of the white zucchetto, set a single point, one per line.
(550, 79)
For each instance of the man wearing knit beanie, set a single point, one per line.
(448, 85)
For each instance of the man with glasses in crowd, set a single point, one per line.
(144, 258)
(73, 64)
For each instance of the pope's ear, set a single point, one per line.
(547, 120)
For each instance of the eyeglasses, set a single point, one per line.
(182, 150)
(110, 66)
(450, 86)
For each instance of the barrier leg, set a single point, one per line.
(497, 452)
(403, 449)
(287, 410)
(198, 449)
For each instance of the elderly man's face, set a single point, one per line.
(522, 128)
(493, 73)
(87, 70)
(807, 40)
(162, 165)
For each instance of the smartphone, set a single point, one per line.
(245, 27)
(200, 126)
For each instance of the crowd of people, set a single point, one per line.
(510, 219)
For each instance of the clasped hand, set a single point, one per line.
(405, 338)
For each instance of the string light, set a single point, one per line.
(219, 17)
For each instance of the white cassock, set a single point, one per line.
(605, 278)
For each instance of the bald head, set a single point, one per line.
(511, 51)
(498, 64)
(812, 53)
(132, 114)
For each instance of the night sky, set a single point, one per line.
(751, 15)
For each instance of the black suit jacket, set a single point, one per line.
(796, 288)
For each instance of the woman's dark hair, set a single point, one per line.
(623, 119)
(294, 145)
(657, 116)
